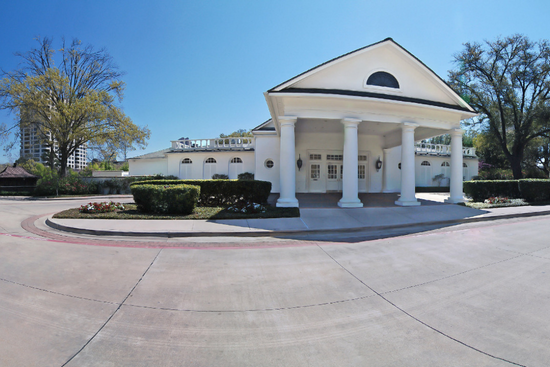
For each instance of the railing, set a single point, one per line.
(213, 144)
(441, 149)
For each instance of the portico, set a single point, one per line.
(351, 125)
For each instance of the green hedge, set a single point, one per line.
(481, 190)
(222, 192)
(533, 190)
(172, 199)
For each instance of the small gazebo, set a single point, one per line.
(17, 179)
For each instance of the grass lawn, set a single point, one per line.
(131, 212)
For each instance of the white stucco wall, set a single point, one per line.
(145, 167)
(267, 147)
(394, 174)
(223, 159)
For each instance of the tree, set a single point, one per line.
(238, 133)
(71, 102)
(508, 82)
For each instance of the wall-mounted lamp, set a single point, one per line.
(378, 164)
(299, 162)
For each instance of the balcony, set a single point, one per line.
(441, 150)
(213, 144)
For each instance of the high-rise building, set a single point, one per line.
(34, 146)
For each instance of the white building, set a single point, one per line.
(353, 124)
(33, 147)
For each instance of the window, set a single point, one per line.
(332, 172)
(210, 160)
(187, 161)
(269, 163)
(445, 164)
(383, 79)
(361, 172)
(236, 160)
(335, 157)
(464, 165)
(425, 163)
(362, 158)
(315, 172)
(315, 157)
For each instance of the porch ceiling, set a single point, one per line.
(390, 132)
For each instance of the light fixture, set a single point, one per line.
(299, 162)
(378, 164)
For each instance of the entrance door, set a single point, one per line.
(316, 183)
(362, 177)
(334, 176)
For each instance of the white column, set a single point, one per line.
(385, 170)
(287, 164)
(350, 187)
(408, 197)
(457, 195)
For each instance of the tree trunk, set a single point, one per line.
(516, 167)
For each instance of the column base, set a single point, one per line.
(407, 203)
(287, 203)
(350, 204)
(455, 200)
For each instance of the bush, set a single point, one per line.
(70, 185)
(220, 176)
(481, 190)
(169, 199)
(533, 190)
(103, 207)
(246, 176)
(222, 192)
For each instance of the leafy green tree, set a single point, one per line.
(508, 82)
(71, 99)
(239, 133)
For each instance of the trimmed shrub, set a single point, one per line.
(222, 192)
(170, 199)
(481, 190)
(246, 176)
(220, 176)
(533, 190)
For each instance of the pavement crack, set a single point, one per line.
(56, 293)
(115, 311)
(381, 295)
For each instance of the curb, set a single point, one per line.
(267, 233)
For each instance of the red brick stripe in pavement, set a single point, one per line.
(29, 226)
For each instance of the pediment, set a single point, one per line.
(369, 72)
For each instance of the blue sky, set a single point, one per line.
(199, 68)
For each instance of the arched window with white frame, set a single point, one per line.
(235, 168)
(210, 168)
(424, 175)
(186, 169)
(446, 169)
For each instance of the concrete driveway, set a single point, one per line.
(465, 295)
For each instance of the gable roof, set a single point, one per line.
(287, 86)
(16, 172)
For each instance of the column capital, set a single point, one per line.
(287, 120)
(456, 132)
(409, 125)
(350, 121)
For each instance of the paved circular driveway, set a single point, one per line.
(469, 295)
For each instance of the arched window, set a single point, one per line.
(446, 169)
(235, 168)
(210, 168)
(425, 163)
(383, 79)
(424, 174)
(187, 161)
